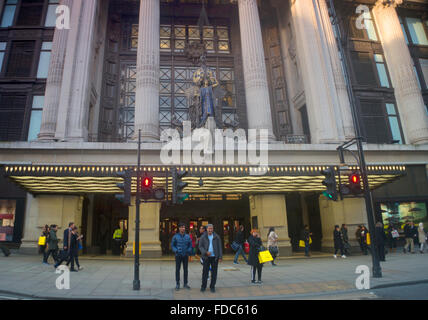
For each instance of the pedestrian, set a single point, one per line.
(392, 237)
(345, 238)
(212, 254)
(66, 241)
(363, 240)
(201, 231)
(52, 244)
(253, 257)
(422, 235)
(239, 240)
(117, 241)
(338, 242)
(306, 238)
(5, 250)
(380, 240)
(358, 237)
(410, 233)
(192, 235)
(273, 244)
(42, 248)
(181, 245)
(74, 249)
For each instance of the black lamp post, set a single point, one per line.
(377, 271)
(136, 283)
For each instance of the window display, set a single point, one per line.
(7, 220)
(398, 213)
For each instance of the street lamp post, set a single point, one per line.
(377, 271)
(136, 283)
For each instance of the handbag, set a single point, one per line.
(246, 247)
(42, 241)
(235, 246)
(265, 256)
(273, 250)
(368, 239)
(302, 244)
(80, 247)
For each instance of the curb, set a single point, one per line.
(399, 284)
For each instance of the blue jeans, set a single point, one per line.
(306, 248)
(240, 251)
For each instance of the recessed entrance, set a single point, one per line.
(225, 215)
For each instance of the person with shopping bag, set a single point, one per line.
(256, 244)
(273, 244)
(306, 239)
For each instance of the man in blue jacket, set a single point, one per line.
(182, 247)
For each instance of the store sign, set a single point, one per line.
(7, 220)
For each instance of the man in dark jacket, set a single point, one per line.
(66, 245)
(211, 253)
(380, 238)
(239, 239)
(182, 247)
(52, 244)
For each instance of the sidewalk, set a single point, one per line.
(293, 277)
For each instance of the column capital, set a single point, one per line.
(388, 3)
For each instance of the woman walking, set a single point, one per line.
(253, 257)
(306, 238)
(42, 248)
(422, 235)
(393, 235)
(338, 242)
(273, 244)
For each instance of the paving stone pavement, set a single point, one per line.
(112, 279)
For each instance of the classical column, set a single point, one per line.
(315, 64)
(255, 76)
(343, 107)
(409, 99)
(54, 81)
(148, 70)
(74, 105)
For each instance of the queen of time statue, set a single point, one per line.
(203, 96)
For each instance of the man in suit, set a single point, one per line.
(66, 245)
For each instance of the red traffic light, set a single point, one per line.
(147, 182)
(354, 178)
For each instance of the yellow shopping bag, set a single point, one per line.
(368, 239)
(301, 244)
(42, 241)
(265, 256)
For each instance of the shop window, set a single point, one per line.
(397, 213)
(7, 220)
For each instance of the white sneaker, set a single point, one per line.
(335, 256)
(343, 256)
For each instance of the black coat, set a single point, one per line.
(253, 255)
(380, 236)
(65, 240)
(74, 244)
(337, 235)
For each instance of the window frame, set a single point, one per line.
(17, 12)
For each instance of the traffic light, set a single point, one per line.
(125, 186)
(355, 183)
(146, 187)
(330, 182)
(178, 185)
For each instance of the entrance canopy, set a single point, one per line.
(63, 179)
